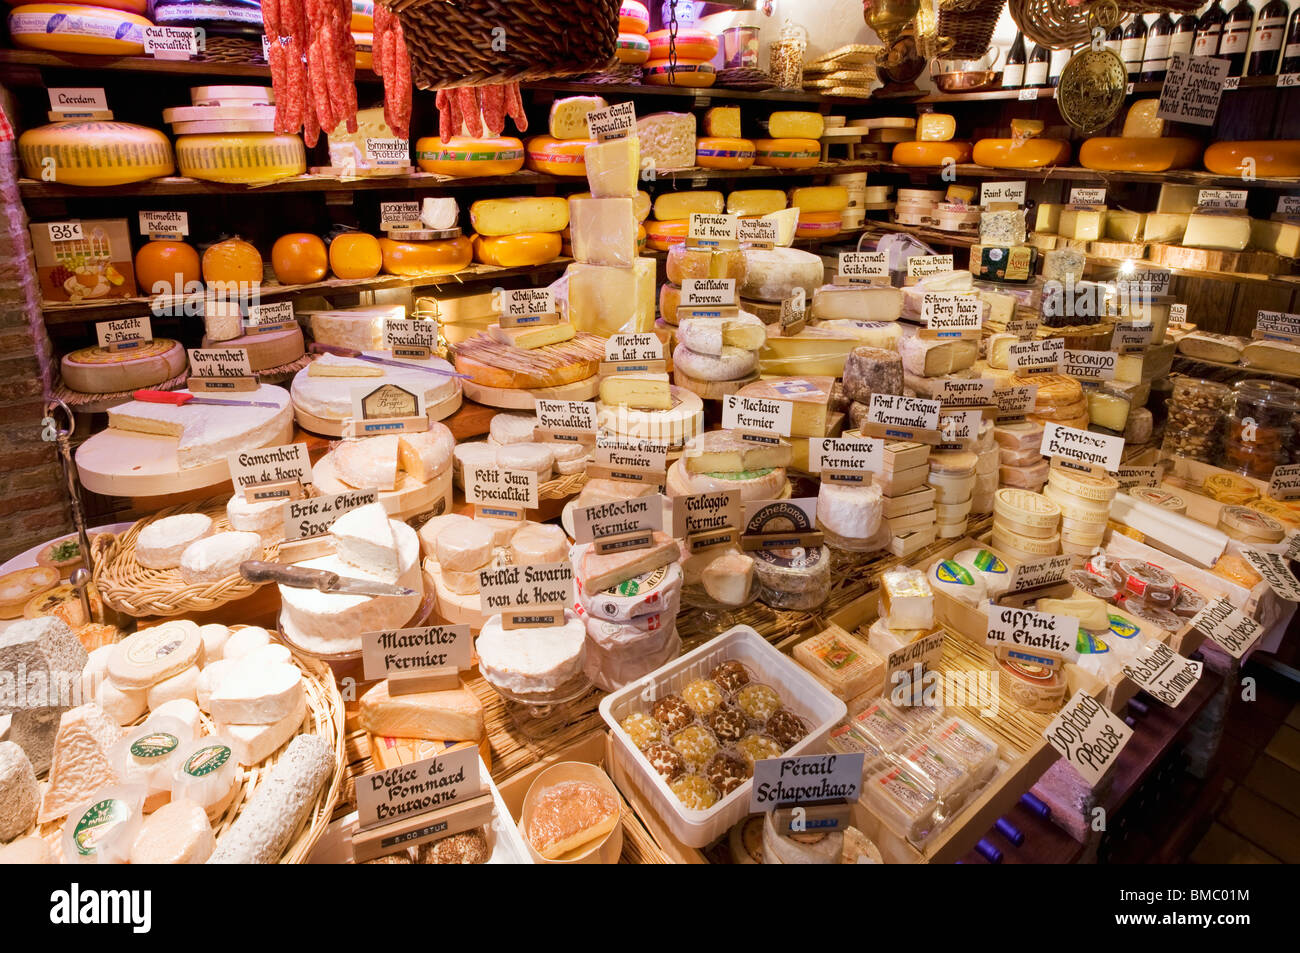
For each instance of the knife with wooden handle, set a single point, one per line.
(303, 577)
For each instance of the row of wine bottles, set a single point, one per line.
(1255, 46)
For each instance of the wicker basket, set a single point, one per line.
(478, 42)
(138, 591)
(562, 487)
(969, 24)
(1051, 23)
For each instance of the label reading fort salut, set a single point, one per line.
(1276, 572)
(490, 486)
(612, 122)
(951, 312)
(640, 514)
(1131, 477)
(757, 415)
(1192, 87)
(1037, 573)
(1010, 192)
(1284, 484)
(388, 152)
(1088, 735)
(304, 519)
(170, 224)
(1083, 446)
(862, 266)
(1129, 337)
(219, 362)
(707, 230)
(1277, 324)
(1228, 627)
(417, 788)
(172, 42)
(1091, 365)
(515, 305)
(971, 392)
(634, 347)
(1015, 401)
(1163, 674)
(1221, 198)
(806, 779)
(1087, 196)
(286, 464)
(411, 340)
(402, 651)
(846, 459)
(1039, 632)
(123, 334)
(922, 266)
(706, 513)
(560, 416)
(77, 100)
(1036, 357)
(757, 232)
(394, 215)
(536, 585)
(277, 314)
(905, 413)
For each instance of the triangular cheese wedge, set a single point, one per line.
(82, 759)
(364, 538)
(601, 572)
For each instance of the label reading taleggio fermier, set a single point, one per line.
(1091, 365)
(846, 454)
(1002, 192)
(1228, 627)
(220, 362)
(706, 512)
(283, 464)
(579, 415)
(531, 586)
(757, 414)
(1163, 673)
(1038, 632)
(618, 517)
(492, 486)
(806, 779)
(634, 347)
(165, 224)
(1130, 477)
(893, 410)
(398, 651)
(1276, 572)
(969, 392)
(922, 266)
(1088, 735)
(304, 519)
(864, 264)
(942, 311)
(123, 331)
(700, 292)
(417, 788)
(1037, 573)
(1083, 445)
(1192, 88)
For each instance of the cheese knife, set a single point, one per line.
(302, 577)
(183, 397)
(338, 351)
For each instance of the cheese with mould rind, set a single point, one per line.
(686, 262)
(82, 760)
(933, 358)
(724, 451)
(730, 364)
(159, 545)
(253, 693)
(771, 274)
(451, 715)
(727, 578)
(363, 538)
(217, 557)
(711, 335)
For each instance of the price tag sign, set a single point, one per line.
(490, 486)
(398, 652)
(1228, 627)
(1015, 401)
(1036, 357)
(922, 266)
(1232, 82)
(642, 514)
(1083, 446)
(519, 303)
(1028, 94)
(1087, 196)
(1221, 198)
(388, 152)
(914, 413)
(862, 266)
(1130, 337)
(65, 231)
(1277, 324)
(1164, 674)
(1285, 482)
(305, 519)
(1010, 192)
(1089, 736)
(1192, 88)
(951, 312)
(712, 231)
(168, 224)
(285, 464)
(77, 100)
(705, 513)
(714, 293)
(1288, 204)
(532, 586)
(1023, 327)
(959, 429)
(1091, 365)
(1276, 571)
(1177, 313)
(410, 339)
(123, 334)
(757, 415)
(612, 122)
(758, 232)
(634, 347)
(809, 779)
(399, 214)
(1287, 80)
(1047, 571)
(1130, 477)
(850, 456)
(413, 789)
(1037, 632)
(566, 415)
(172, 42)
(638, 461)
(915, 657)
(278, 314)
(966, 392)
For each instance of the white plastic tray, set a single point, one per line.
(803, 693)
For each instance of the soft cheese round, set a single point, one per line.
(705, 335)
(464, 548)
(764, 484)
(330, 398)
(512, 428)
(850, 511)
(265, 518)
(154, 654)
(538, 457)
(216, 557)
(478, 453)
(772, 273)
(531, 661)
(160, 544)
(730, 365)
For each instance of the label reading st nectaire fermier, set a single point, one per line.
(757, 414)
(1037, 632)
(399, 651)
(1228, 627)
(304, 519)
(532, 586)
(1088, 735)
(412, 789)
(618, 517)
(285, 464)
(123, 333)
(1083, 445)
(1163, 673)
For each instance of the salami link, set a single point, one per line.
(469, 111)
(296, 81)
(317, 64)
(453, 107)
(444, 117)
(494, 109)
(310, 125)
(272, 24)
(515, 107)
(401, 82)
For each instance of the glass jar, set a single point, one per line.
(1268, 403)
(785, 57)
(1252, 460)
(1194, 444)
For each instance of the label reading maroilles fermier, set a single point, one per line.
(1088, 735)
(398, 651)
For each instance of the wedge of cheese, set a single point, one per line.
(601, 572)
(532, 337)
(642, 391)
(723, 451)
(452, 715)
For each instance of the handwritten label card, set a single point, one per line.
(418, 788)
(1164, 674)
(1043, 632)
(1228, 627)
(1089, 736)
(1192, 88)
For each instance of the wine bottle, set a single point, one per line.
(1115, 40)
(1184, 36)
(1266, 47)
(1209, 30)
(1036, 69)
(1155, 58)
(1057, 64)
(1013, 70)
(1236, 37)
(1133, 46)
(1291, 48)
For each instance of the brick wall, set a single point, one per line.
(33, 503)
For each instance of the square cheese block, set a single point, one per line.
(1178, 199)
(519, 214)
(857, 303)
(1124, 226)
(600, 572)
(1230, 232)
(529, 338)
(642, 391)
(677, 205)
(1000, 307)
(810, 397)
(935, 127)
(607, 300)
(613, 168)
(791, 124)
(604, 231)
(1081, 224)
(1047, 218)
(723, 121)
(933, 358)
(1164, 227)
(842, 662)
(452, 715)
(569, 116)
(667, 140)
(745, 202)
(1064, 264)
(1281, 238)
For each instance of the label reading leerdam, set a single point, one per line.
(1088, 735)
(1163, 673)
(1228, 627)
(1040, 632)
(1083, 445)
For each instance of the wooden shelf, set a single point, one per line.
(1070, 173)
(1047, 92)
(1244, 369)
(63, 312)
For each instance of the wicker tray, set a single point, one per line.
(324, 718)
(562, 487)
(131, 588)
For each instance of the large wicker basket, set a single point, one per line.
(478, 42)
(969, 24)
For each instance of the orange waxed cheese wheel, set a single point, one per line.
(355, 255)
(1270, 158)
(660, 234)
(233, 260)
(1133, 154)
(299, 258)
(518, 250)
(788, 153)
(633, 17)
(696, 74)
(1020, 154)
(160, 264)
(463, 156)
(691, 44)
(632, 48)
(558, 156)
(426, 258)
(931, 153)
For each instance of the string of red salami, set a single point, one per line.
(313, 66)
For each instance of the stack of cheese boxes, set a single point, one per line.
(610, 288)
(1085, 507)
(1026, 525)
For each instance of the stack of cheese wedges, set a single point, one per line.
(715, 356)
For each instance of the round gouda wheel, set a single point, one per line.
(93, 370)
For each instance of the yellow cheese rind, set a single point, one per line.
(820, 198)
(613, 168)
(1223, 232)
(95, 153)
(610, 300)
(675, 205)
(534, 337)
(240, 158)
(745, 202)
(1142, 121)
(511, 216)
(722, 121)
(787, 124)
(935, 127)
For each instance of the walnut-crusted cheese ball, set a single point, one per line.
(727, 772)
(730, 676)
(467, 847)
(787, 728)
(673, 713)
(695, 793)
(728, 724)
(758, 702)
(664, 759)
(756, 747)
(696, 745)
(702, 695)
(641, 728)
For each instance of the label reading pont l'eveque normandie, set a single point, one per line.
(1276, 572)
(493, 486)
(286, 464)
(634, 515)
(401, 651)
(124, 333)
(1088, 735)
(304, 519)
(1084, 446)
(1228, 627)
(538, 585)
(757, 414)
(915, 413)
(418, 788)
(1163, 674)
(706, 513)
(1038, 632)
